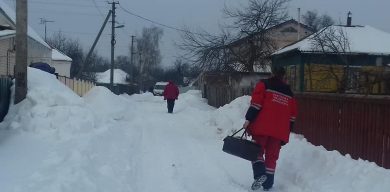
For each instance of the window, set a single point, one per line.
(292, 76)
(353, 76)
(379, 61)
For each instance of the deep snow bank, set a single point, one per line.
(50, 109)
(304, 167)
(55, 141)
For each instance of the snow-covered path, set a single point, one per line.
(177, 152)
(55, 141)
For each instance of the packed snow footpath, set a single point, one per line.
(55, 141)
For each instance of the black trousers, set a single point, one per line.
(170, 105)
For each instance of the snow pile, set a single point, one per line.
(192, 100)
(230, 117)
(310, 167)
(50, 109)
(55, 141)
(106, 104)
(119, 77)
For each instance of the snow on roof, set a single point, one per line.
(11, 15)
(7, 32)
(59, 56)
(362, 39)
(119, 77)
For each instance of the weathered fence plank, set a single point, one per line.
(355, 125)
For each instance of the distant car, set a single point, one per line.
(159, 87)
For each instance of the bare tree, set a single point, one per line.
(253, 21)
(149, 56)
(206, 50)
(71, 48)
(148, 47)
(123, 62)
(333, 44)
(310, 18)
(326, 21)
(258, 15)
(97, 63)
(316, 22)
(228, 52)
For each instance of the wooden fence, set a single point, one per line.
(220, 95)
(221, 88)
(350, 124)
(77, 85)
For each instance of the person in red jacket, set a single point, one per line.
(269, 120)
(171, 93)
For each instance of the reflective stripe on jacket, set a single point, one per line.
(277, 106)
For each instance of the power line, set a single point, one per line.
(123, 30)
(96, 6)
(65, 13)
(158, 23)
(74, 32)
(63, 4)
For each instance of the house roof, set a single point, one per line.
(119, 77)
(291, 21)
(10, 14)
(271, 28)
(6, 33)
(59, 56)
(361, 39)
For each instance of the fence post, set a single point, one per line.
(84, 87)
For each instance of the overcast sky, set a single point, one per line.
(82, 19)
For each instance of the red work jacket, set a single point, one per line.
(171, 91)
(277, 107)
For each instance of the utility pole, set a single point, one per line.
(131, 57)
(44, 21)
(93, 45)
(21, 51)
(141, 71)
(113, 42)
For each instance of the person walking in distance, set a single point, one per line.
(171, 93)
(269, 120)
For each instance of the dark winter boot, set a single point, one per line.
(267, 185)
(258, 174)
(258, 182)
(258, 169)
